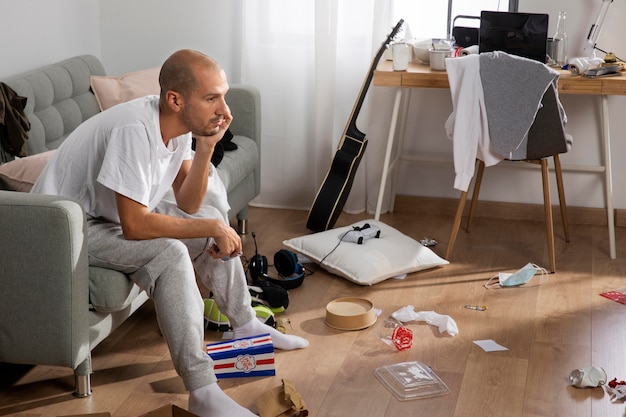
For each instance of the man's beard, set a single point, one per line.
(201, 130)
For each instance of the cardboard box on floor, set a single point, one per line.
(166, 411)
(169, 411)
(281, 401)
(89, 415)
(248, 356)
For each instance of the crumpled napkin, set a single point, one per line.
(617, 393)
(444, 323)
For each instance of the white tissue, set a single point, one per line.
(444, 323)
(408, 36)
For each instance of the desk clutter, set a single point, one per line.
(433, 52)
(509, 32)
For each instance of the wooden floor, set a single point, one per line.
(549, 330)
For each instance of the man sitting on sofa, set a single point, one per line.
(119, 164)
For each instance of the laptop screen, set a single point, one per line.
(522, 34)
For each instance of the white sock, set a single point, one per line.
(281, 341)
(211, 401)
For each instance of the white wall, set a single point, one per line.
(39, 32)
(142, 33)
(125, 35)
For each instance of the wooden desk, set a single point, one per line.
(421, 76)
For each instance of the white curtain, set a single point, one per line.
(309, 59)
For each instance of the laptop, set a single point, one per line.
(522, 34)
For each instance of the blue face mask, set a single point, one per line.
(517, 278)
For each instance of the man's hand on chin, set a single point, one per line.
(214, 131)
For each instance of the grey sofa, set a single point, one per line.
(54, 308)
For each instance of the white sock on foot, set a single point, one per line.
(280, 340)
(211, 401)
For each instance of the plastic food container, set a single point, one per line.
(411, 380)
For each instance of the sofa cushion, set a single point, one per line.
(110, 290)
(21, 173)
(110, 90)
(237, 165)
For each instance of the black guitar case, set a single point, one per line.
(332, 195)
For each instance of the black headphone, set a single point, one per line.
(286, 264)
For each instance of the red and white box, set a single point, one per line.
(249, 356)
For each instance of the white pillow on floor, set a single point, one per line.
(373, 261)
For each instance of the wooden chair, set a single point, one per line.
(546, 139)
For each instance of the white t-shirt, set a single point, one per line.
(119, 150)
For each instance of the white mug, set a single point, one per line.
(400, 54)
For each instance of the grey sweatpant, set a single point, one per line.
(164, 268)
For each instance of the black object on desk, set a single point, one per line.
(521, 34)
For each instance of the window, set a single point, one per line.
(433, 19)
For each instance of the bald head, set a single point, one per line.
(180, 71)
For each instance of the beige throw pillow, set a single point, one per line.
(110, 90)
(21, 174)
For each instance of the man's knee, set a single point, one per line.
(174, 247)
(170, 259)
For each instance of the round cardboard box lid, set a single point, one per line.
(350, 313)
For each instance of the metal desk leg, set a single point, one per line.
(608, 180)
(392, 133)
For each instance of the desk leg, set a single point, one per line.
(392, 132)
(394, 165)
(608, 180)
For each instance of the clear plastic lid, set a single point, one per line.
(411, 380)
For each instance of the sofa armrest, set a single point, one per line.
(245, 104)
(44, 284)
